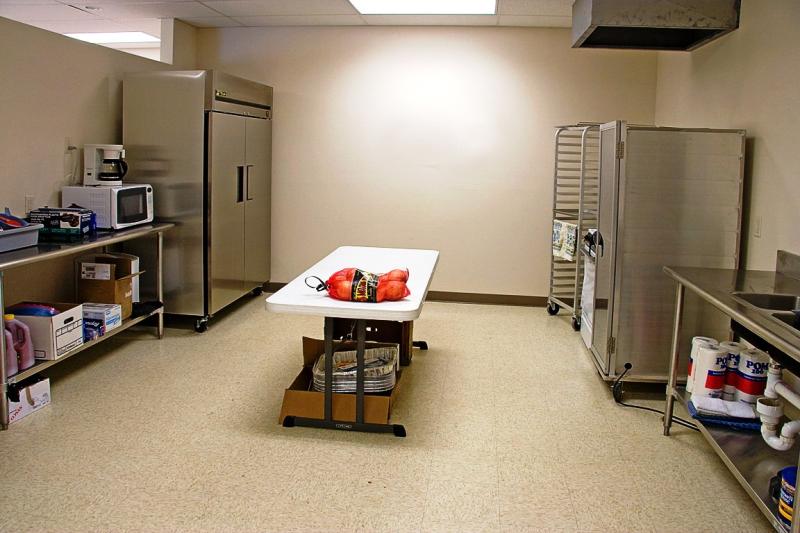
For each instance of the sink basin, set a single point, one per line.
(770, 301)
(789, 319)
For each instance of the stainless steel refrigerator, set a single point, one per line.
(667, 196)
(203, 139)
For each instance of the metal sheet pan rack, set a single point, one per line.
(575, 200)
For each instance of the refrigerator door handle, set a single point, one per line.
(239, 184)
(248, 167)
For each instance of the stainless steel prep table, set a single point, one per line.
(52, 250)
(747, 456)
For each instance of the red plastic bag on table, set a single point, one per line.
(356, 285)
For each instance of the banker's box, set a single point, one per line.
(31, 399)
(55, 336)
(107, 278)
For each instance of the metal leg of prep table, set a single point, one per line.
(328, 422)
(3, 369)
(160, 282)
(673, 362)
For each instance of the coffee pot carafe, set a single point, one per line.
(104, 164)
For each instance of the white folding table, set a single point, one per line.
(296, 297)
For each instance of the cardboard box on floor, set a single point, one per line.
(118, 289)
(31, 399)
(300, 399)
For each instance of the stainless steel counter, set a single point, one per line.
(717, 285)
(747, 456)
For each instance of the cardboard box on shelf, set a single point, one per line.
(31, 399)
(54, 336)
(300, 399)
(98, 319)
(107, 278)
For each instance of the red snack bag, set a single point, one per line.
(355, 285)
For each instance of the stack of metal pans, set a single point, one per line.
(380, 370)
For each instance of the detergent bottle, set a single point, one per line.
(23, 343)
(12, 367)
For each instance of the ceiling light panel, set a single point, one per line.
(425, 7)
(115, 37)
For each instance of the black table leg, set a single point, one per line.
(328, 369)
(361, 336)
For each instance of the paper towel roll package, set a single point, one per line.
(696, 343)
(709, 371)
(751, 377)
(734, 349)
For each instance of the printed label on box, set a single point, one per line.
(95, 271)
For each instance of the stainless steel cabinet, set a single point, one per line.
(668, 196)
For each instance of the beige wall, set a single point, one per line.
(178, 44)
(748, 79)
(53, 88)
(426, 137)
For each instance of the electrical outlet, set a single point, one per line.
(28, 203)
(757, 227)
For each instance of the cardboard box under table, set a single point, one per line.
(106, 278)
(301, 400)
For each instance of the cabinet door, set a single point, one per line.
(602, 332)
(226, 209)
(258, 200)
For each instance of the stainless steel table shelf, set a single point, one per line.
(749, 459)
(47, 251)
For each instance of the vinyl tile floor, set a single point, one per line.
(509, 429)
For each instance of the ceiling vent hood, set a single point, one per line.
(651, 24)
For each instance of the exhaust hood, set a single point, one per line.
(651, 24)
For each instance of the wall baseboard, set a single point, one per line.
(464, 297)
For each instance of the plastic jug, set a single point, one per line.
(12, 367)
(23, 343)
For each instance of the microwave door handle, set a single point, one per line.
(239, 184)
(248, 167)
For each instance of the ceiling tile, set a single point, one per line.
(561, 8)
(430, 20)
(302, 20)
(35, 12)
(211, 22)
(252, 8)
(534, 20)
(27, 2)
(155, 10)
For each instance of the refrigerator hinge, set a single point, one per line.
(612, 345)
(620, 149)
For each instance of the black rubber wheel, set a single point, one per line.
(201, 325)
(576, 323)
(552, 309)
(257, 291)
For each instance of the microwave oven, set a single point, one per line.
(116, 207)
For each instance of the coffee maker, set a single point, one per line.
(104, 164)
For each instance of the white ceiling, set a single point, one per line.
(64, 16)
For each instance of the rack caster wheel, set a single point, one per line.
(552, 309)
(257, 291)
(201, 325)
(576, 323)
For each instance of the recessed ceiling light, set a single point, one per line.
(115, 37)
(425, 7)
